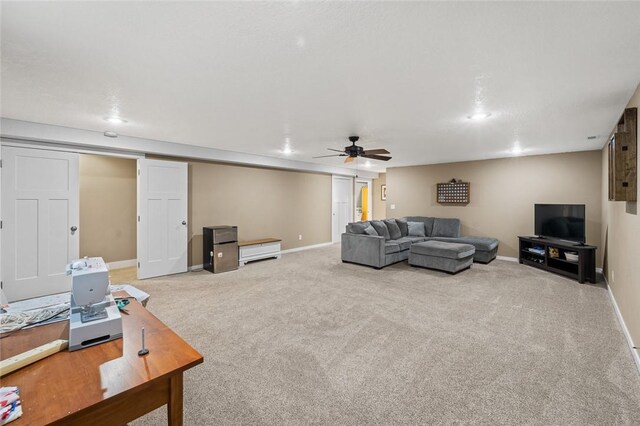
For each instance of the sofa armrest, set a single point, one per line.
(363, 249)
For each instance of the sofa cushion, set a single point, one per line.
(402, 224)
(370, 230)
(480, 243)
(446, 228)
(394, 229)
(411, 239)
(442, 249)
(428, 223)
(391, 248)
(416, 229)
(381, 229)
(357, 227)
(403, 243)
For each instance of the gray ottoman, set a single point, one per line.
(449, 257)
(486, 247)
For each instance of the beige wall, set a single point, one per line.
(379, 206)
(503, 192)
(261, 202)
(107, 207)
(621, 234)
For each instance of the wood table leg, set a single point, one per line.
(174, 407)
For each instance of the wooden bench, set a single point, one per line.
(265, 248)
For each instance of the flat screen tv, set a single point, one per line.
(561, 221)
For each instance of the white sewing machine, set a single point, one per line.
(94, 316)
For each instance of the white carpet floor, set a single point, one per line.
(309, 340)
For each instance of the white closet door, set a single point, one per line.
(162, 218)
(40, 215)
(342, 214)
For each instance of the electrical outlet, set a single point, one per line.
(393, 206)
(300, 237)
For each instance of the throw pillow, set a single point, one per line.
(416, 229)
(394, 230)
(428, 223)
(370, 231)
(381, 228)
(402, 224)
(357, 227)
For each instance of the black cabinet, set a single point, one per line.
(220, 248)
(555, 256)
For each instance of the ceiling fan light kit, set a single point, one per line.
(353, 151)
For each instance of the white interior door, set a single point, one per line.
(342, 205)
(40, 213)
(162, 218)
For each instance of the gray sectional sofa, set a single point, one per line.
(380, 243)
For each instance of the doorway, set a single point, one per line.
(342, 205)
(58, 206)
(108, 209)
(363, 200)
(127, 209)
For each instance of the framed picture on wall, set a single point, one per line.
(383, 193)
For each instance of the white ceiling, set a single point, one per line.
(404, 76)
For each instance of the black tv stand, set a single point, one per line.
(582, 270)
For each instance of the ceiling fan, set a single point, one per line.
(353, 151)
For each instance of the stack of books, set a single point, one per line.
(10, 408)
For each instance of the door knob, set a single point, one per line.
(74, 229)
(184, 222)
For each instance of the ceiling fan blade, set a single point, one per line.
(332, 155)
(377, 157)
(376, 151)
(348, 160)
(336, 150)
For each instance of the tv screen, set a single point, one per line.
(562, 221)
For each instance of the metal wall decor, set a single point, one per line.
(454, 192)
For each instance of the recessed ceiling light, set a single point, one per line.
(367, 163)
(115, 120)
(287, 146)
(592, 137)
(110, 134)
(478, 116)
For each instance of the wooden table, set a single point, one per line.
(107, 384)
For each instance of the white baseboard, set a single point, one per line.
(507, 258)
(635, 353)
(194, 267)
(293, 250)
(314, 246)
(122, 264)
